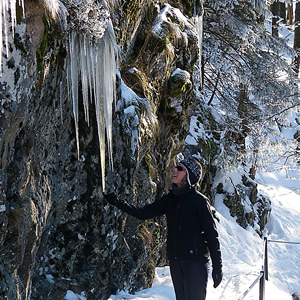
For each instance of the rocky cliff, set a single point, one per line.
(57, 232)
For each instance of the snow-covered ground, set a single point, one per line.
(242, 250)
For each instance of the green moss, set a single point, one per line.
(178, 90)
(19, 14)
(40, 53)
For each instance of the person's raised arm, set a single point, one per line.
(149, 211)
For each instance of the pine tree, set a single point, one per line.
(248, 75)
(297, 38)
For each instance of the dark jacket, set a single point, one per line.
(192, 231)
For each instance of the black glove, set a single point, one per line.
(217, 276)
(111, 198)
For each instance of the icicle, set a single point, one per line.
(56, 8)
(21, 4)
(60, 101)
(13, 16)
(96, 62)
(1, 36)
(105, 94)
(5, 6)
(109, 68)
(99, 103)
(84, 76)
(90, 69)
(199, 27)
(73, 81)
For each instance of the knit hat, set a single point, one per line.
(194, 170)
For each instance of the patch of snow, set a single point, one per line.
(2, 208)
(72, 296)
(50, 278)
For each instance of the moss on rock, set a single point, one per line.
(41, 51)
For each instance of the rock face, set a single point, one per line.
(57, 232)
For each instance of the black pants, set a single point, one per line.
(189, 279)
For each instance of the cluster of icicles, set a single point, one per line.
(92, 62)
(95, 62)
(5, 7)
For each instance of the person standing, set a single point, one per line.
(192, 235)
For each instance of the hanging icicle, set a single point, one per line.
(198, 20)
(5, 7)
(56, 9)
(94, 62)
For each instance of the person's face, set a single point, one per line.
(179, 172)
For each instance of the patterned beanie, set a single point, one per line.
(194, 170)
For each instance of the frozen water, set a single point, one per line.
(57, 11)
(95, 62)
(5, 6)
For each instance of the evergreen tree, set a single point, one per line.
(249, 81)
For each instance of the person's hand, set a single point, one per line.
(217, 276)
(111, 198)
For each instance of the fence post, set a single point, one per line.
(264, 272)
(266, 268)
(262, 286)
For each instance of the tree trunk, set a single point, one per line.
(297, 38)
(290, 14)
(279, 12)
